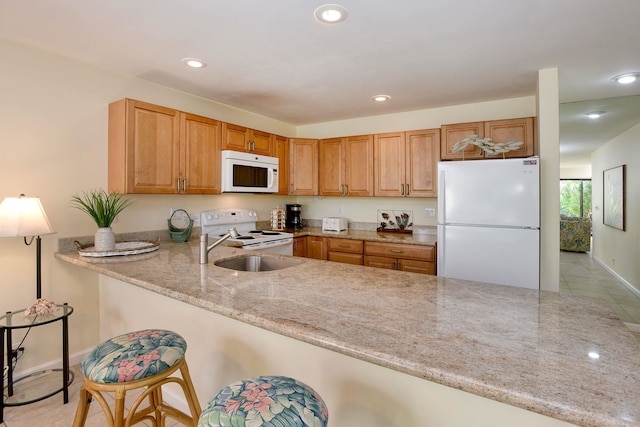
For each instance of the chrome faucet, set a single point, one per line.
(205, 248)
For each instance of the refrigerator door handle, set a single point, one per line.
(442, 201)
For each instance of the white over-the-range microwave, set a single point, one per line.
(249, 173)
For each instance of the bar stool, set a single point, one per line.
(265, 400)
(141, 359)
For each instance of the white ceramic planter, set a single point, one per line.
(105, 239)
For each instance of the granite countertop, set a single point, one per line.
(522, 347)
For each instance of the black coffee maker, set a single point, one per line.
(293, 218)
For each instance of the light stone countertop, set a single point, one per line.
(521, 347)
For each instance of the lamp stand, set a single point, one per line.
(38, 268)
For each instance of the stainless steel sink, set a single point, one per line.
(255, 263)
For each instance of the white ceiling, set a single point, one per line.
(273, 58)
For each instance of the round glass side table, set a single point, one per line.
(38, 385)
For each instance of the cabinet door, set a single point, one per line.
(149, 147)
(389, 164)
(423, 152)
(234, 137)
(303, 172)
(358, 161)
(512, 130)
(300, 246)
(450, 134)
(331, 167)
(200, 154)
(380, 262)
(317, 247)
(281, 151)
(261, 142)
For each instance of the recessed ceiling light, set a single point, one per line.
(594, 114)
(330, 13)
(194, 62)
(626, 78)
(381, 98)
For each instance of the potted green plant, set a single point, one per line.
(103, 208)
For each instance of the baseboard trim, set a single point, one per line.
(74, 359)
(619, 278)
(633, 327)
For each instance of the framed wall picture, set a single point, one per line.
(613, 197)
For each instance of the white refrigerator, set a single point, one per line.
(489, 221)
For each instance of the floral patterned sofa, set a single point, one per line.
(575, 234)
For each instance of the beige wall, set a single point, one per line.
(619, 250)
(54, 141)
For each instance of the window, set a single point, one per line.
(575, 197)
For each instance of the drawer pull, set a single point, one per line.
(342, 245)
(395, 251)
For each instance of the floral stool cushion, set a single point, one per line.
(265, 401)
(133, 356)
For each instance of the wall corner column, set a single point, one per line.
(548, 111)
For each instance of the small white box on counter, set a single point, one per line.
(334, 224)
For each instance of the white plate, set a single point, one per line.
(122, 248)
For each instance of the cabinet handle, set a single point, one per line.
(407, 192)
(402, 189)
(184, 185)
(346, 189)
(396, 251)
(342, 245)
(178, 184)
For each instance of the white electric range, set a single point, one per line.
(217, 222)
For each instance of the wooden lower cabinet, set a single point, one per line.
(345, 250)
(300, 246)
(317, 247)
(397, 256)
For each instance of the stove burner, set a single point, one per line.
(265, 232)
(245, 237)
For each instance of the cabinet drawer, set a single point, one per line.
(380, 262)
(347, 258)
(345, 245)
(414, 266)
(397, 250)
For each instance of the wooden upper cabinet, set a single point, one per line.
(358, 161)
(199, 154)
(457, 132)
(303, 167)
(331, 167)
(513, 130)
(346, 166)
(390, 166)
(144, 148)
(158, 150)
(521, 129)
(281, 148)
(405, 163)
(422, 155)
(240, 138)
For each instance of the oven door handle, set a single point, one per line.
(276, 244)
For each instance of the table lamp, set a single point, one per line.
(24, 217)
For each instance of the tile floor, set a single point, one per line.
(579, 274)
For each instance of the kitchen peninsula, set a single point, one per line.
(383, 348)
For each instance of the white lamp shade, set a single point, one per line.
(23, 216)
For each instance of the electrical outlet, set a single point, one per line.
(196, 219)
(430, 213)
